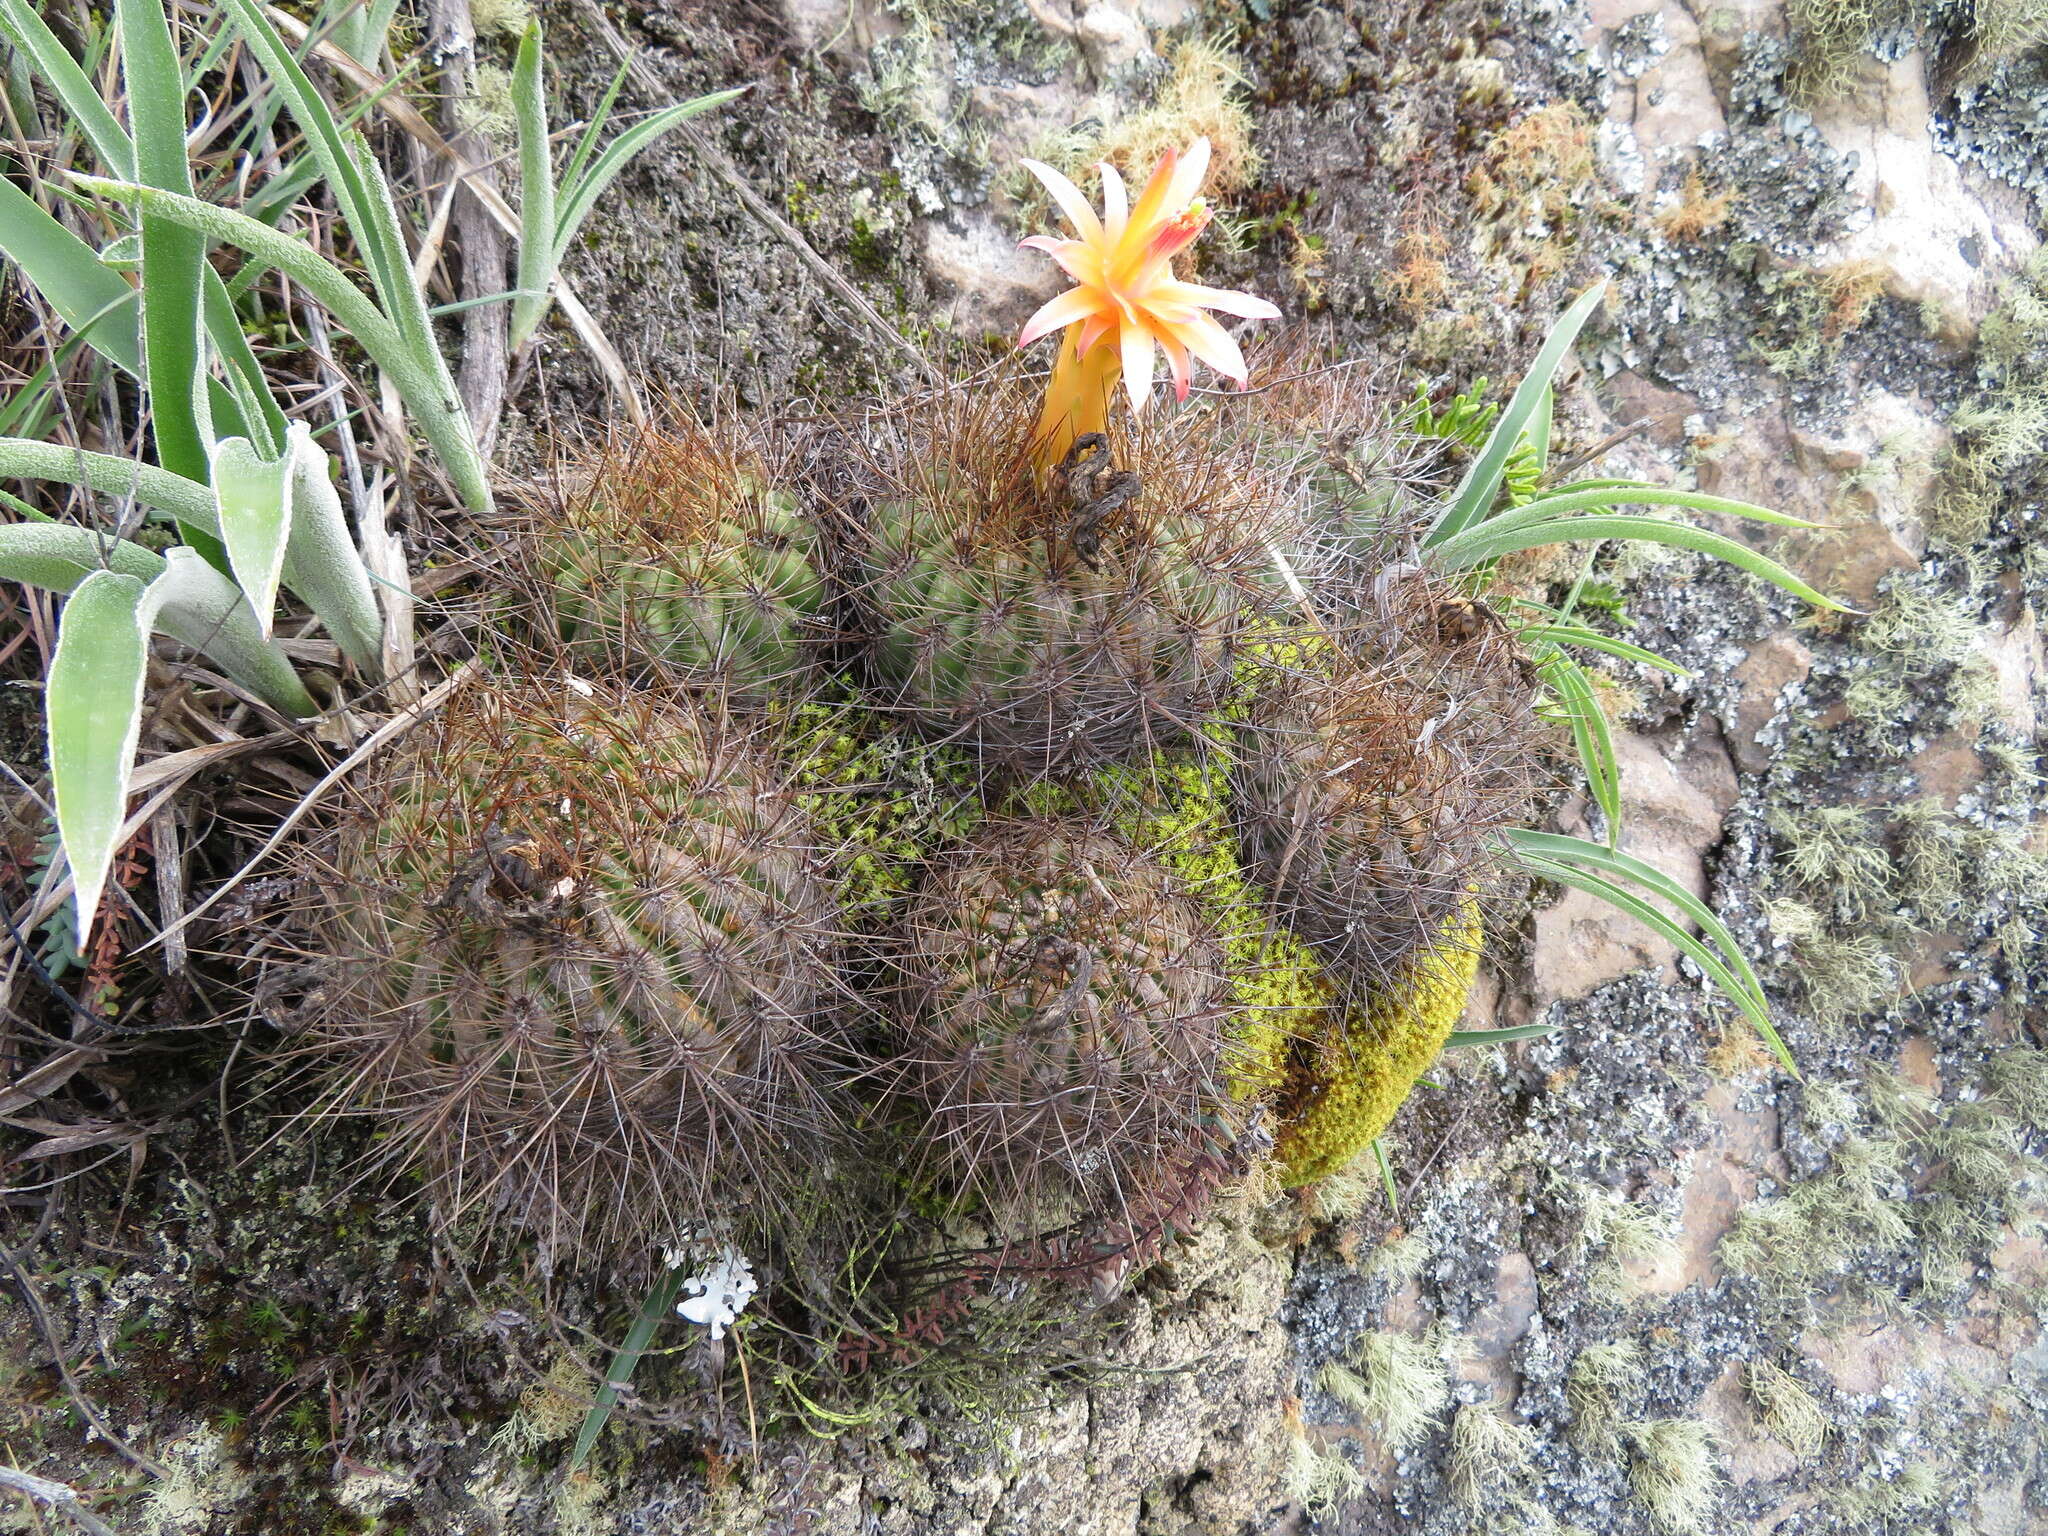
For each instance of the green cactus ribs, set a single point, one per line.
(1062, 1004)
(1054, 622)
(582, 947)
(682, 558)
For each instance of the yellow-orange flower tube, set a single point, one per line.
(1126, 302)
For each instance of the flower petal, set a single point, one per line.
(1176, 364)
(1092, 330)
(1071, 202)
(1116, 203)
(1067, 308)
(1229, 300)
(1076, 257)
(1188, 175)
(1151, 210)
(1213, 345)
(1136, 342)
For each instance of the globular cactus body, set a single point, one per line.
(1379, 771)
(1054, 621)
(680, 560)
(1062, 1003)
(582, 948)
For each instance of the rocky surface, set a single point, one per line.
(1640, 1278)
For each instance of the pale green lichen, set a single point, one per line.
(1397, 1385)
(1674, 1470)
(2005, 422)
(1785, 1407)
(1830, 39)
(1603, 1377)
(1318, 1478)
(1490, 1453)
(1871, 1504)
(1621, 1232)
(1810, 1234)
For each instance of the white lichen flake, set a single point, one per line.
(715, 1297)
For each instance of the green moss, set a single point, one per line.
(882, 804)
(1359, 1075)
(1871, 1503)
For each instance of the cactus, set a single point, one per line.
(1381, 768)
(582, 950)
(1349, 1083)
(1054, 622)
(1062, 1003)
(681, 559)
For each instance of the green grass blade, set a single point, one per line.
(327, 144)
(579, 196)
(172, 254)
(1577, 863)
(1462, 1039)
(620, 1372)
(586, 145)
(537, 248)
(87, 297)
(363, 29)
(1591, 734)
(253, 493)
(245, 406)
(97, 305)
(73, 88)
(1379, 1152)
(1631, 493)
(57, 557)
(1557, 845)
(94, 699)
(422, 382)
(400, 296)
(1593, 640)
(1486, 543)
(1475, 494)
(1537, 433)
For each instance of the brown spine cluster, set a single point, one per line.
(1062, 1011)
(1383, 760)
(1053, 622)
(582, 949)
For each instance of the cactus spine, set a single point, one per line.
(682, 560)
(1053, 623)
(1062, 1012)
(582, 955)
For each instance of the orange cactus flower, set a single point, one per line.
(1125, 301)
